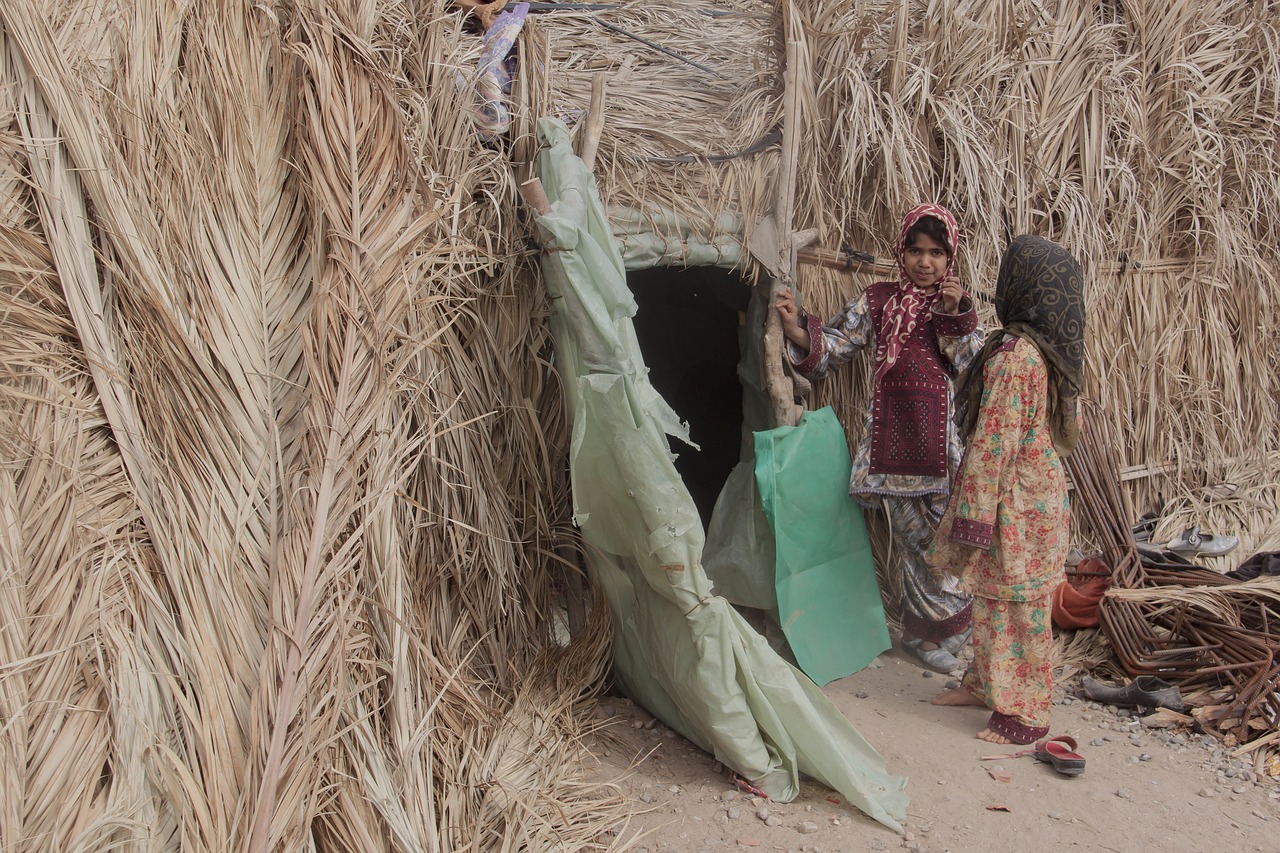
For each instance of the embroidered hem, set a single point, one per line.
(810, 362)
(955, 325)
(1015, 730)
(859, 494)
(966, 531)
(936, 631)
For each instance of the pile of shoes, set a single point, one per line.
(1189, 627)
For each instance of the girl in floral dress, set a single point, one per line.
(925, 331)
(1005, 531)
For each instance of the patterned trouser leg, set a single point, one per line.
(931, 610)
(1012, 669)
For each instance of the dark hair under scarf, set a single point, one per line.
(1040, 297)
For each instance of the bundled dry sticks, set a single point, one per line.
(1215, 637)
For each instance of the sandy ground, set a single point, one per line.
(1143, 789)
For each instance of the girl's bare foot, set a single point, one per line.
(957, 696)
(992, 737)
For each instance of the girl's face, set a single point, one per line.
(925, 262)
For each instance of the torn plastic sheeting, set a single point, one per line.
(601, 324)
(738, 555)
(683, 653)
(627, 496)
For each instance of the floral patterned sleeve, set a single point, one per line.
(838, 341)
(960, 335)
(990, 459)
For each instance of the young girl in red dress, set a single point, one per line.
(924, 331)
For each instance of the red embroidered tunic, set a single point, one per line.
(910, 444)
(909, 410)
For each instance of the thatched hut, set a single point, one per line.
(289, 509)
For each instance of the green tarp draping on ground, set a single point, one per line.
(683, 653)
(828, 599)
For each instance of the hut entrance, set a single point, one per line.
(689, 325)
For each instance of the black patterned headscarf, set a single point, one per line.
(1040, 297)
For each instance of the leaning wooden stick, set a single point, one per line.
(595, 123)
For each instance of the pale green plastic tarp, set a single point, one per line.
(739, 554)
(683, 653)
(655, 238)
(828, 598)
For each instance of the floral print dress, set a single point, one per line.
(1006, 532)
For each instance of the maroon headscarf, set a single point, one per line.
(902, 311)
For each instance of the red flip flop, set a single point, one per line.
(747, 788)
(1061, 752)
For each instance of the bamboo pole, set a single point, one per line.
(781, 391)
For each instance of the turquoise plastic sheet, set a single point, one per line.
(828, 598)
(682, 652)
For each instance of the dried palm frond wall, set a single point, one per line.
(282, 452)
(279, 444)
(1140, 134)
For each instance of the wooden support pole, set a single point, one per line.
(840, 261)
(595, 123)
(800, 239)
(781, 390)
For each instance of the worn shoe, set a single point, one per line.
(1145, 526)
(1262, 563)
(1145, 691)
(1192, 542)
(939, 659)
(956, 642)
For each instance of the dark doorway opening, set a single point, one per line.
(689, 325)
